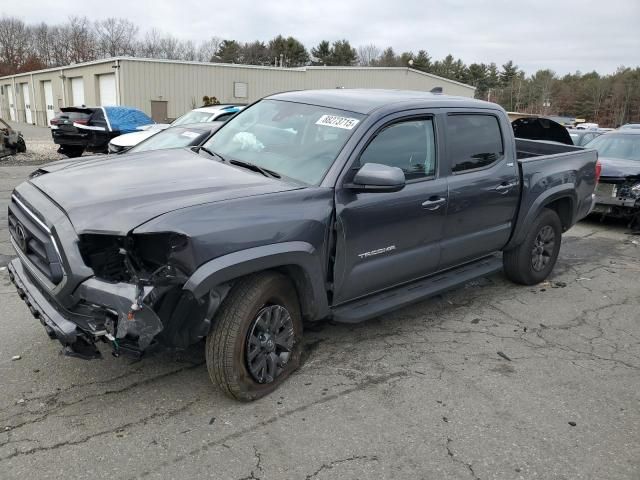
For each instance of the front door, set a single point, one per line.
(159, 111)
(385, 239)
(484, 188)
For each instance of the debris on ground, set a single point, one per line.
(558, 284)
(21, 401)
(573, 424)
(503, 355)
(16, 357)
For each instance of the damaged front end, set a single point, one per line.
(126, 291)
(619, 197)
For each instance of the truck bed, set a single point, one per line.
(547, 169)
(535, 148)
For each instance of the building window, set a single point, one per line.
(240, 90)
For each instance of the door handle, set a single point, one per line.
(505, 187)
(434, 203)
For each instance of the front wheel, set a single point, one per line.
(533, 260)
(256, 339)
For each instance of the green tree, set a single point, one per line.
(422, 61)
(290, 50)
(343, 54)
(229, 51)
(388, 58)
(322, 53)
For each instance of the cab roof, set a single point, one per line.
(365, 101)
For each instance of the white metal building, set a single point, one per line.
(165, 89)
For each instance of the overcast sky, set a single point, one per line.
(563, 35)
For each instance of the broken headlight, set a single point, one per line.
(150, 257)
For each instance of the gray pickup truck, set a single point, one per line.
(307, 205)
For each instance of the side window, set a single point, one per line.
(407, 145)
(473, 141)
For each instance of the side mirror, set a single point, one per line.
(375, 177)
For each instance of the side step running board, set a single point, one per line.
(375, 305)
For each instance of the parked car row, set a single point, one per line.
(117, 129)
(217, 113)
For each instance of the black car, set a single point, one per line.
(581, 137)
(77, 129)
(618, 193)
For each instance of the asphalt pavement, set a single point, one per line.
(490, 381)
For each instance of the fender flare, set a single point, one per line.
(244, 262)
(566, 190)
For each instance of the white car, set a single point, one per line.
(216, 113)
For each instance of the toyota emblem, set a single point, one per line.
(21, 237)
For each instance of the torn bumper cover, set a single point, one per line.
(102, 313)
(621, 198)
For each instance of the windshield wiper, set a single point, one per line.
(210, 152)
(252, 166)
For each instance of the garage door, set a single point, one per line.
(48, 100)
(77, 91)
(12, 107)
(107, 87)
(27, 103)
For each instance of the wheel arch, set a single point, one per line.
(561, 199)
(298, 261)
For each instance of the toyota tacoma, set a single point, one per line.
(342, 204)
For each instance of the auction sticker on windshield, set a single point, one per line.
(337, 122)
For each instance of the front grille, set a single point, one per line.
(35, 242)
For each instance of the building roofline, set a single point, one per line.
(232, 65)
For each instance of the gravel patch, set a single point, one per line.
(38, 152)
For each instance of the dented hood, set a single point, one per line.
(619, 167)
(116, 194)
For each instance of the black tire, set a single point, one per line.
(21, 146)
(533, 260)
(227, 347)
(73, 152)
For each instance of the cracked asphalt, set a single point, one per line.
(490, 381)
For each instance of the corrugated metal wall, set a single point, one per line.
(182, 84)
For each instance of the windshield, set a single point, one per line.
(171, 138)
(295, 140)
(626, 147)
(194, 117)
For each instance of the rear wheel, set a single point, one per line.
(533, 260)
(73, 152)
(256, 339)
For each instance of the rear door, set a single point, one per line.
(484, 189)
(385, 239)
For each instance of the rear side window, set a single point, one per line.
(473, 141)
(409, 145)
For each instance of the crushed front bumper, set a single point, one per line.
(103, 313)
